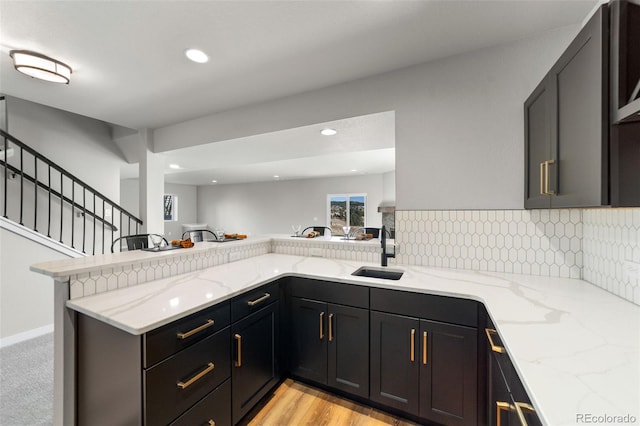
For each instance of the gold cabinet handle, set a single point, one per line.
(200, 375)
(542, 169)
(494, 347)
(238, 338)
(413, 344)
(500, 407)
(519, 407)
(260, 299)
(424, 348)
(190, 333)
(321, 325)
(547, 191)
(330, 327)
(211, 423)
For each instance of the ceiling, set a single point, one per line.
(129, 66)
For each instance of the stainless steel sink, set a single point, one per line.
(384, 273)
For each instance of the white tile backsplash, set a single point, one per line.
(593, 244)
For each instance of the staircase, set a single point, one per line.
(41, 196)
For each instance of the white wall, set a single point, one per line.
(26, 298)
(79, 144)
(459, 121)
(272, 207)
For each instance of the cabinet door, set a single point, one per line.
(309, 339)
(348, 341)
(255, 358)
(395, 361)
(579, 174)
(448, 373)
(537, 144)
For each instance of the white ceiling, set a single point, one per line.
(128, 58)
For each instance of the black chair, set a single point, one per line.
(136, 242)
(198, 235)
(319, 229)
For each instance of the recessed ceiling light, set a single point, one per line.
(197, 56)
(174, 166)
(328, 132)
(276, 177)
(214, 181)
(354, 170)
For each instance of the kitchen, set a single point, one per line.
(482, 88)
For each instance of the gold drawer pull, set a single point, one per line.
(424, 348)
(212, 423)
(321, 325)
(184, 385)
(494, 347)
(330, 327)
(520, 408)
(413, 344)
(204, 326)
(238, 338)
(261, 299)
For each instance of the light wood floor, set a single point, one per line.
(295, 404)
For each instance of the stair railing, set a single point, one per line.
(76, 203)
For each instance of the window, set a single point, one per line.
(346, 210)
(170, 208)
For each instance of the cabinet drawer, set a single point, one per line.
(177, 383)
(254, 300)
(439, 308)
(171, 338)
(215, 407)
(327, 291)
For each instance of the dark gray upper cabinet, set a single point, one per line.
(625, 61)
(567, 125)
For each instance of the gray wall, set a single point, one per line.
(272, 207)
(459, 122)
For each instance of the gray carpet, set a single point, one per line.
(26, 382)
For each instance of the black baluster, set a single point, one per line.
(84, 217)
(21, 187)
(35, 194)
(103, 223)
(94, 224)
(6, 175)
(73, 213)
(61, 204)
(49, 195)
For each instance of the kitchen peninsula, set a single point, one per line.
(575, 347)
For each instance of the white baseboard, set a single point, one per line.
(25, 335)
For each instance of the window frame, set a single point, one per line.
(347, 197)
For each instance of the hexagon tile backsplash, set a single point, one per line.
(573, 243)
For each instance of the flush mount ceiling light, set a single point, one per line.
(328, 132)
(40, 66)
(197, 56)
(174, 166)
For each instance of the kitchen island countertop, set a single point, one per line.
(575, 346)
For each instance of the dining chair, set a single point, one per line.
(136, 242)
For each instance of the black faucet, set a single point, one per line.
(383, 242)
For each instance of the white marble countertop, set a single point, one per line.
(576, 347)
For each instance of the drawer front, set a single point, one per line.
(254, 300)
(438, 308)
(171, 338)
(327, 291)
(215, 407)
(174, 385)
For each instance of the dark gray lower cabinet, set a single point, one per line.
(424, 368)
(214, 409)
(330, 345)
(256, 367)
(509, 404)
